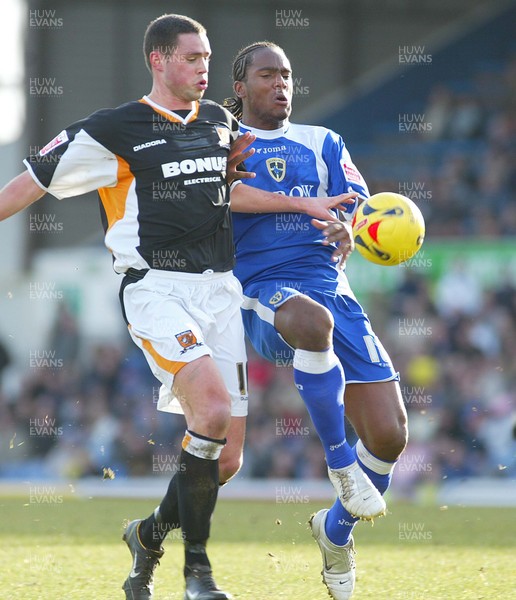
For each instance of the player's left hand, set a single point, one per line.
(340, 233)
(237, 155)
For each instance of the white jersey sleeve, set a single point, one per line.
(74, 163)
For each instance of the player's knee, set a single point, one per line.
(390, 441)
(219, 421)
(315, 329)
(398, 440)
(214, 422)
(323, 321)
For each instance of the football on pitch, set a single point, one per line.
(388, 229)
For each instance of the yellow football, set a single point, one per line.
(388, 229)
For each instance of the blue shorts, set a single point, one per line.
(360, 352)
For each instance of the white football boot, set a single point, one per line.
(338, 561)
(357, 492)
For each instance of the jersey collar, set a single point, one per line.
(170, 113)
(267, 134)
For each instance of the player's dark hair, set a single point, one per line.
(162, 33)
(242, 60)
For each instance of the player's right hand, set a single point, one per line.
(320, 207)
(238, 153)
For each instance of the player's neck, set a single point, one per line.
(167, 100)
(263, 124)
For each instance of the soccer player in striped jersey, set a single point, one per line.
(297, 302)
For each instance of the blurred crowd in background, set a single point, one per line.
(456, 358)
(462, 168)
(475, 192)
(458, 381)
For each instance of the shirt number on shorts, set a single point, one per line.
(375, 349)
(242, 378)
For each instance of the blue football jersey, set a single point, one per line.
(296, 160)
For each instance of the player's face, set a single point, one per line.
(267, 91)
(185, 71)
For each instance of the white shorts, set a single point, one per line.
(175, 318)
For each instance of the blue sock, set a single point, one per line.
(339, 523)
(320, 380)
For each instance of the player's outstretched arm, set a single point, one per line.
(247, 199)
(19, 193)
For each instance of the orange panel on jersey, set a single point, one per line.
(114, 198)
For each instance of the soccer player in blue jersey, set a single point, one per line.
(297, 299)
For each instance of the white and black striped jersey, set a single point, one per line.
(161, 181)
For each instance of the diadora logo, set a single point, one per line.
(149, 144)
(277, 168)
(189, 166)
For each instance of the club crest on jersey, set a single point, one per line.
(277, 168)
(224, 136)
(187, 340)
(278, 296)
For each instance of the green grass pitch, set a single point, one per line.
(72, 550)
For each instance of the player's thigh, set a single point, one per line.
(279, 319)
(225, 378)
(161, 327)
(378, 415)
(258, 314)
(226, 339)
(203, 396)
(174, 345)
(361, 353)
(304, 323)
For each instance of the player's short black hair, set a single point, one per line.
(162, 33)
(242, 60)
